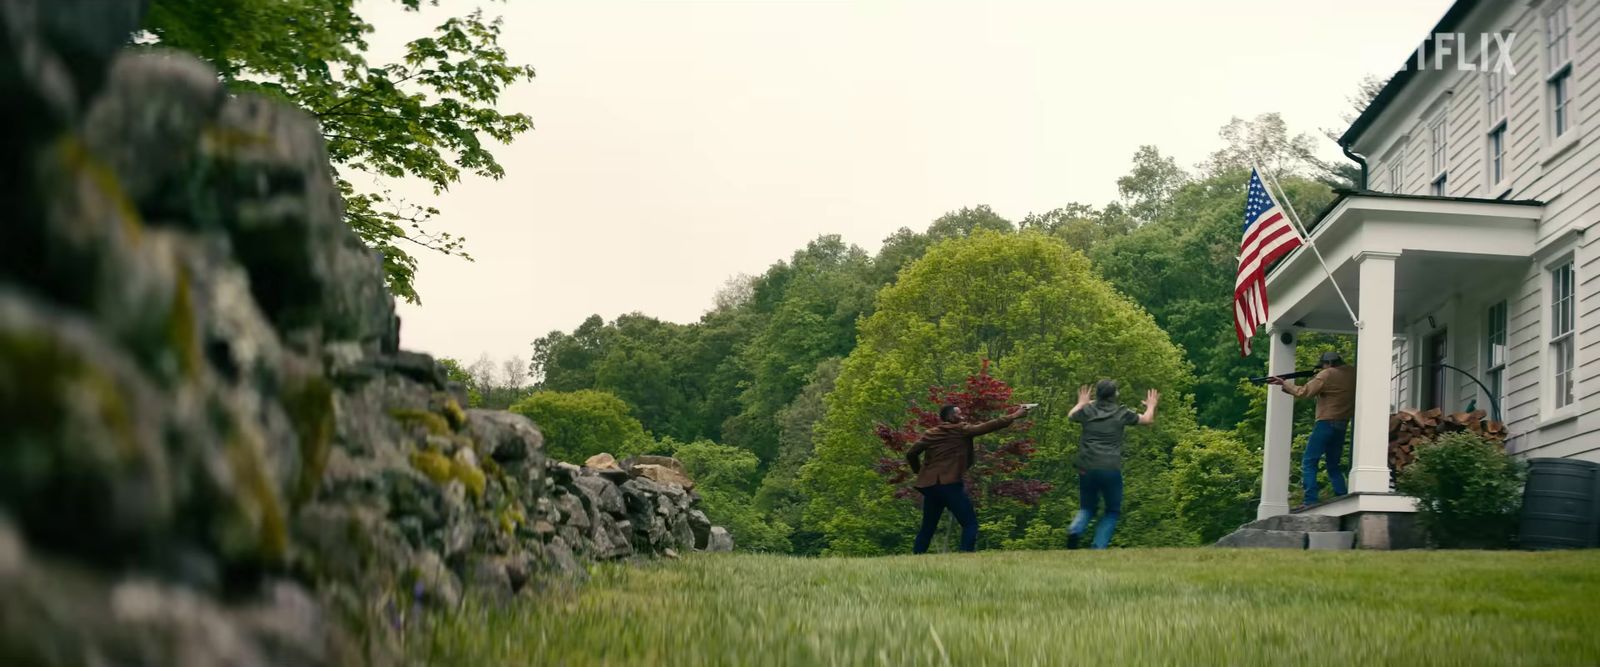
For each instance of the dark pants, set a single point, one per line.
(1093, 486)
(1326, 443)
(935, 500)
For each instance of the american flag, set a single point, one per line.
(1268, 235)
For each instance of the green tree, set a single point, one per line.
(815, 300)
(780, 496)
(454, 372)
(430, 115)
(1214, 483)
(1081, 226)
(724, 476)
(1198, 239)
(579, 424)
(1049, 324)
(1147, 190)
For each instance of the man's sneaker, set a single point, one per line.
(1072, 540)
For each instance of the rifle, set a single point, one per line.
(1286, 376)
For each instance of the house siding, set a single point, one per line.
(1569, 184)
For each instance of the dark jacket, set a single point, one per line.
(1103, 425)
(949, 451)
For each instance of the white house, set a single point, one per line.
(1471, 244)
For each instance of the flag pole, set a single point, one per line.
(1294, 218)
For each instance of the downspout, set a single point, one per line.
(1362, 186)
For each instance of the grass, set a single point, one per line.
(1181, 606)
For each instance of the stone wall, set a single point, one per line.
(212, 449)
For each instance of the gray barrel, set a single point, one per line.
(1561, 505)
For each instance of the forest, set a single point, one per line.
(778, 397)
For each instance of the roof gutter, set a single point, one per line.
(1361, 186)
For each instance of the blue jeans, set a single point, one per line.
(935, 500)
(1093, 485)
(1326, 443)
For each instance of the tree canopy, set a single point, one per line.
(430, 115)
(1049, 324)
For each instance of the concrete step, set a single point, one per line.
(1339, 540)
(1256, 538)
(1307, 523)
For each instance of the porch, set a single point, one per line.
(1396, 258)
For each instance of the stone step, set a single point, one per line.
(1256, 538)
(1339, 540)
(1307, 523)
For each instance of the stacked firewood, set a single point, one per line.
(1410, 428)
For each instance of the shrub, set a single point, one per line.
(1468, 491)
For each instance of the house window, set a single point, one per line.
(1496, 110)
(1558, 53)
(1496, 94)
(1439, 156)
(1494, 354)
(1396, 176)
(1562, 342)
(1497, 155)
(1561, 102)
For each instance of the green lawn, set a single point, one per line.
(1191, 606)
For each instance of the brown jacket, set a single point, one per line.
(949, 450)
(1334, 389)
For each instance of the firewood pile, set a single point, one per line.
(1410, 428)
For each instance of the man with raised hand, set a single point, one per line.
(1100, 457)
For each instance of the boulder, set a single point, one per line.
(605, 495)
(505, 437)
(662, 474)
(602, 461)
(701, 527)
(1263, 539)
(720, 540)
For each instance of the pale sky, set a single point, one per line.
(677, 144)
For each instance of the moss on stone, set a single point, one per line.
(183, 333)
(433, 465)
(462, 468)
(309, 403)
(253, 482)
(80, 162)
(453, 413)
(430, 422)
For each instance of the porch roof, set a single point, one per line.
(1444, 244)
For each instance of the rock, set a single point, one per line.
(682, 533)
(661, 474)
(505, 436)
(559, 558)
(1263, 539)
(147, 125)
(701, 527)
(720, 540)
(602, 461)
(1296, 522)
(605, 495)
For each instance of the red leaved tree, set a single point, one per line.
(995, 467)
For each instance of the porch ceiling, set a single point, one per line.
(1445, 246)
(1422, 280)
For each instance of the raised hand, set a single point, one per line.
(1083, 394)
(1152, 397)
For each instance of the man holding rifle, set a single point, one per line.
(1334, 388)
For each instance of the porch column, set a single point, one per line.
(1280, 428)
(1374, 356)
